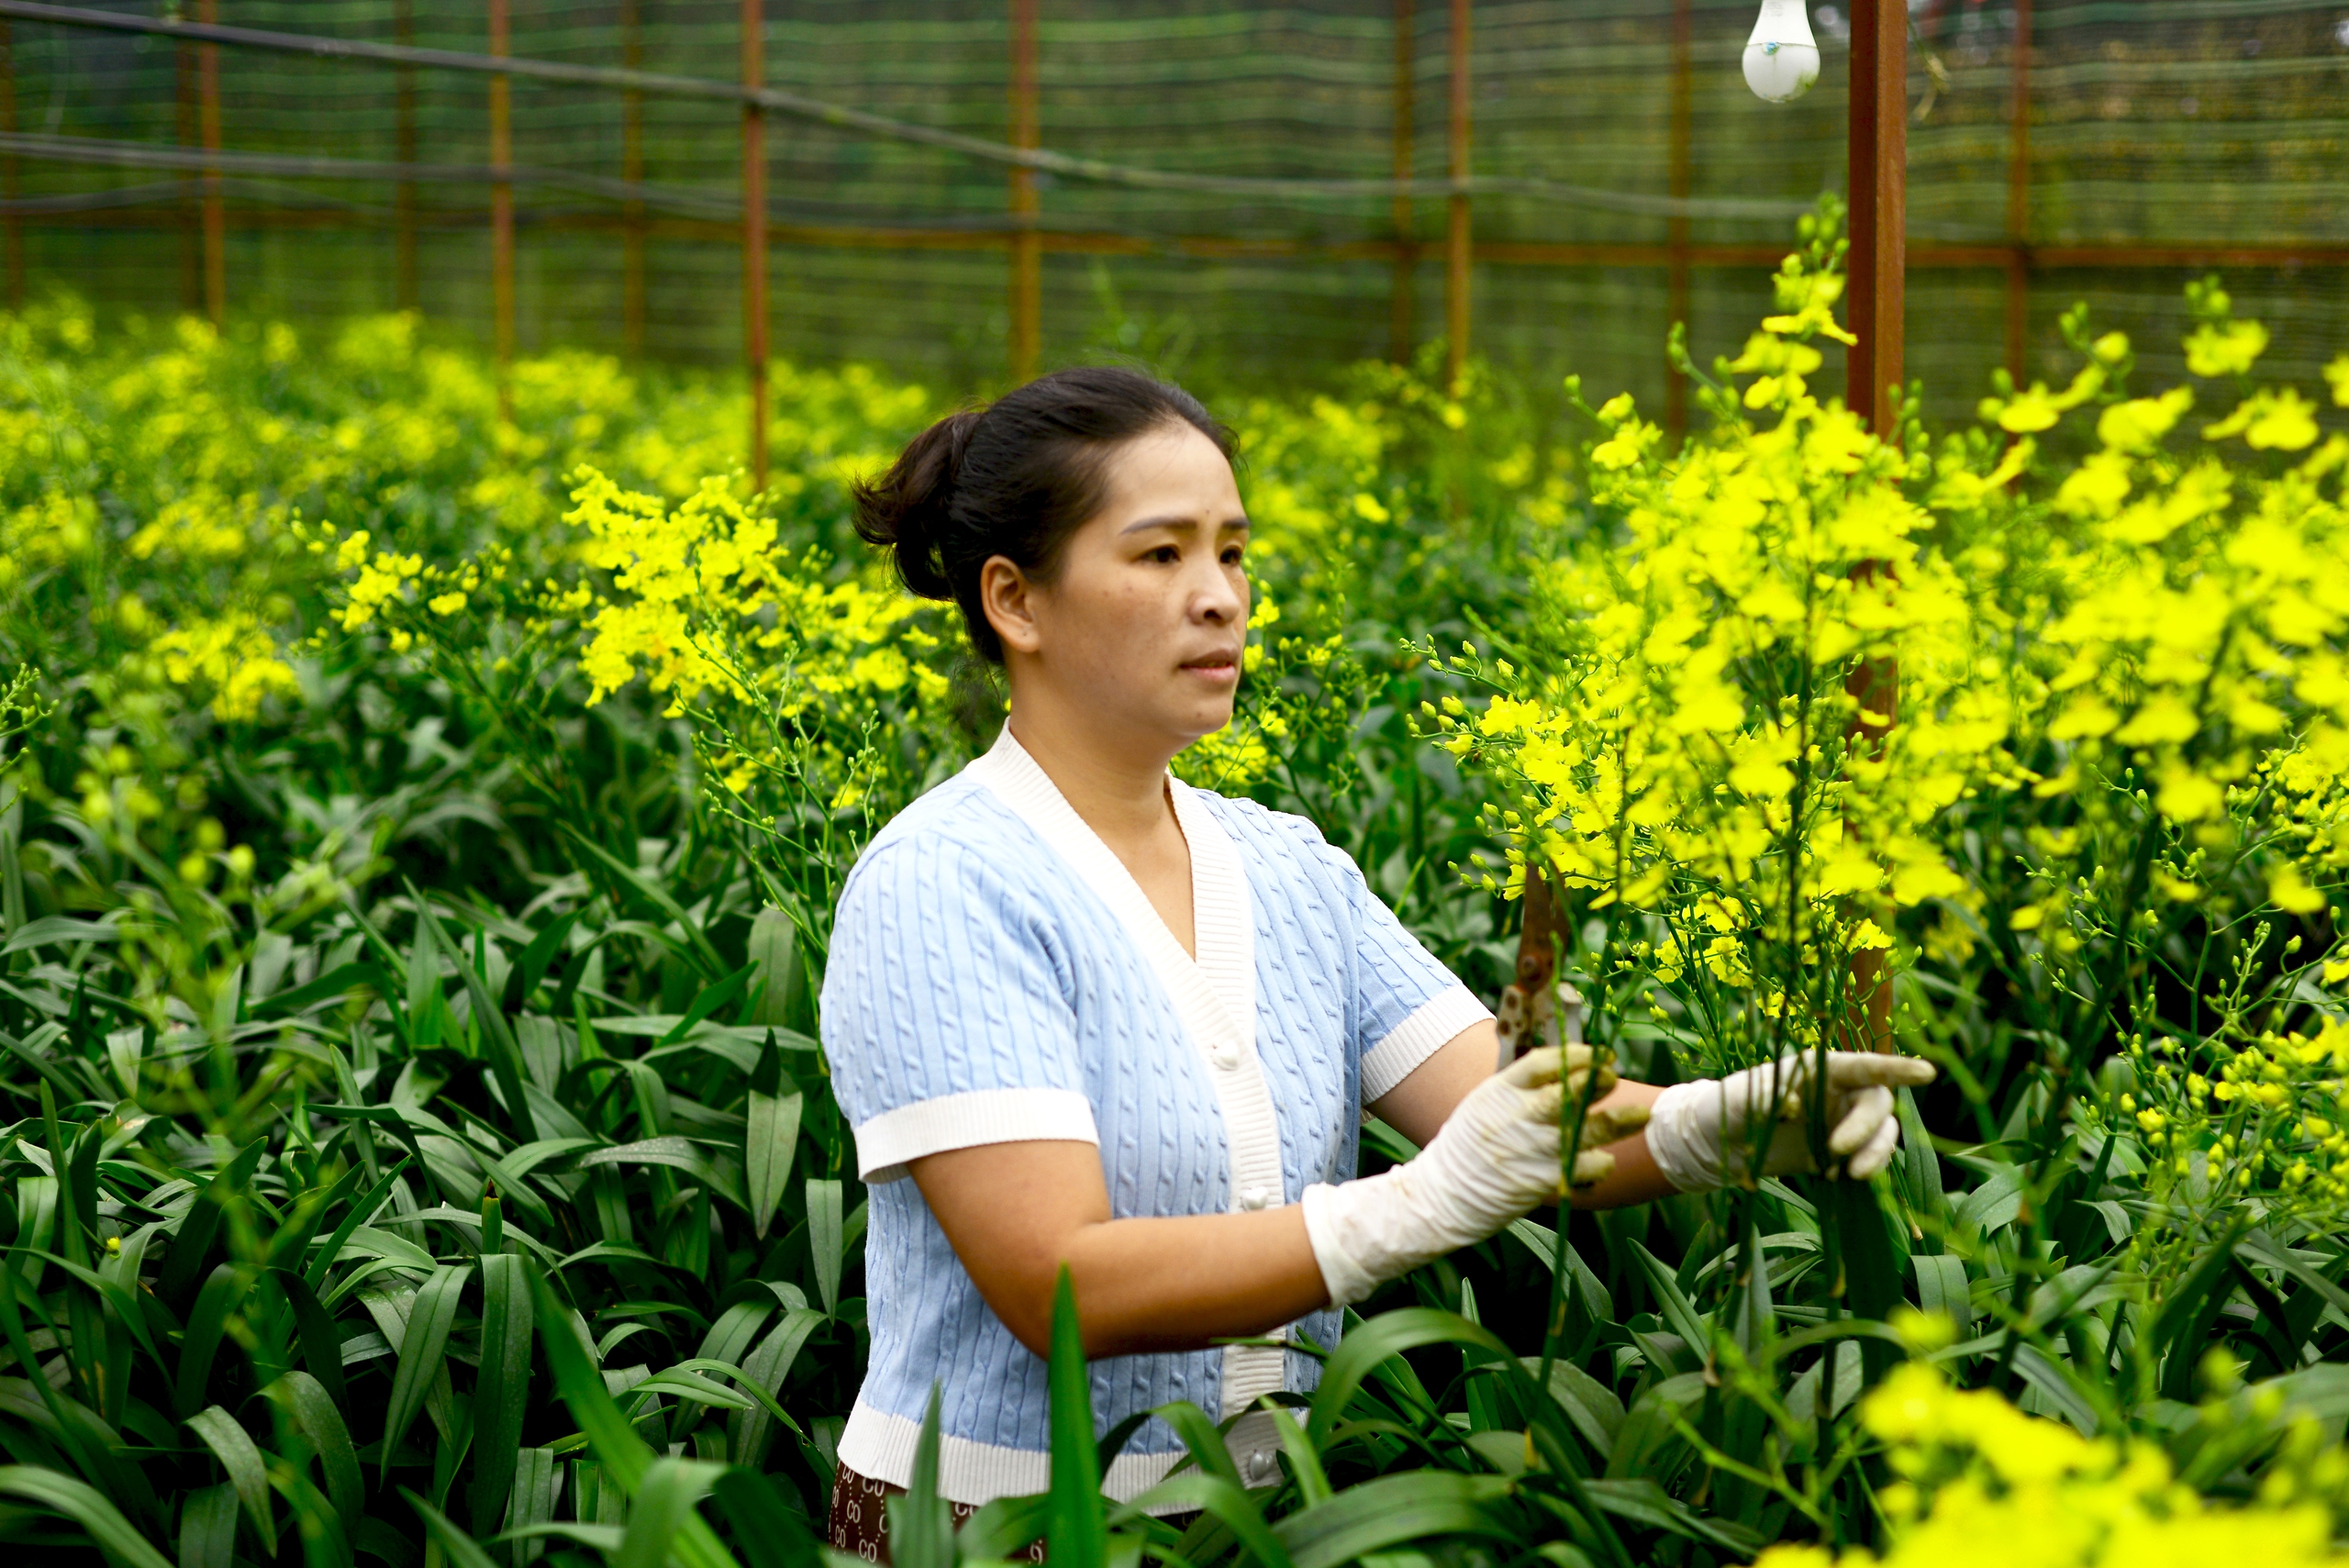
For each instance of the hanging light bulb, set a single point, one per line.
(1781, 58)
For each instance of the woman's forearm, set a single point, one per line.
(1181, 1283)
(1016, 1213)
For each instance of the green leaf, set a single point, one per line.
(85, 1507)
(502, 1391)
(1391, 1509)
(621, 1455)
(532, 967)
(1678, 1310)
(241, 1456)
(708, 1000)
(1871, 1270)
(358, 1214)
(455, 1544)
(1924, 1165)
(208, 1528)
(1643, 1501)
(325, 1543)
(826, 1245)
(1387, 1335)
(315, 1414)
(773, 951)
(1312, 1481)
(766, 1368)
(921, 1527)
(1074, 1531)
(768, 1533)
(654, 894)
(662, 1505)
(291, 1238)
(496, 1034)
(537, 1477)
(191, 1242)
(1941, 1287)
(423, 1346)
(221, 1296)
(338, 983)
(769, 1140)
(1221, 1500)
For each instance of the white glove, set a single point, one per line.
(1701, 1134)
(1491, 1163)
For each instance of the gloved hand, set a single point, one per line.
(1702, 1134)
(1491, 1163)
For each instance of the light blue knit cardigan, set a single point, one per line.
(996, 974)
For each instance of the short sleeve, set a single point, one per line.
(946, 1021)
(1406, 1003)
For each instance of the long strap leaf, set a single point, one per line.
(241, 1456)
(85, 1507)
(423, 1346)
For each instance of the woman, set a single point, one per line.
(1081, 1014)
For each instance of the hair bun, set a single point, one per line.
(907, 510)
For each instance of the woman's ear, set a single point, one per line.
(1008, 599)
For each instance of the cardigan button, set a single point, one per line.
(1225, 1056)
(1259, 1467)
(1256, 1197)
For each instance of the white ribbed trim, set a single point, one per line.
(880, 1447)
(887, 1142)
(1215, 994)
(1431, 1025)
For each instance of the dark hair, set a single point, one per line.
(1014, 479)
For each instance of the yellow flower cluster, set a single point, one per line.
(693, 588)
(1800, 649)
(1984, 1485)
(233, 656)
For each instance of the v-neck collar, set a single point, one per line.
(1215, 992)
(1214, 995)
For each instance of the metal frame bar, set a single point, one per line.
(1878, 184)
(1675, 385)
(632, 273)
(407, 274)
(1402, 325)
(754, 236)
(1027, 254)
(11, 232)
(215, 223)
(2017, 268)
(501, 209)
(1459, 249)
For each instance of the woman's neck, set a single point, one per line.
(1119, 789)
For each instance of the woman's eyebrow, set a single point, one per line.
(1141, 523)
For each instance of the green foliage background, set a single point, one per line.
(415, 1129)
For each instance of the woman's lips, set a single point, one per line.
(1218, 669)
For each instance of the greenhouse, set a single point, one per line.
(1390, 782)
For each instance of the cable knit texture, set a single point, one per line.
(991, 979)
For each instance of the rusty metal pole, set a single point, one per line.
(754, 235)
(2019, 199)
(216, 216)
(1675, 385)
(632, 171)
(1027, 246)
(501, 212)
(1459, 244)
(1879, 187)
(8, 188)
(187, 133)
(406, 289)
(1401, 320)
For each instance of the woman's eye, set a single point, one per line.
(1165, 555)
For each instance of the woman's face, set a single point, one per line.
(1141, 629)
